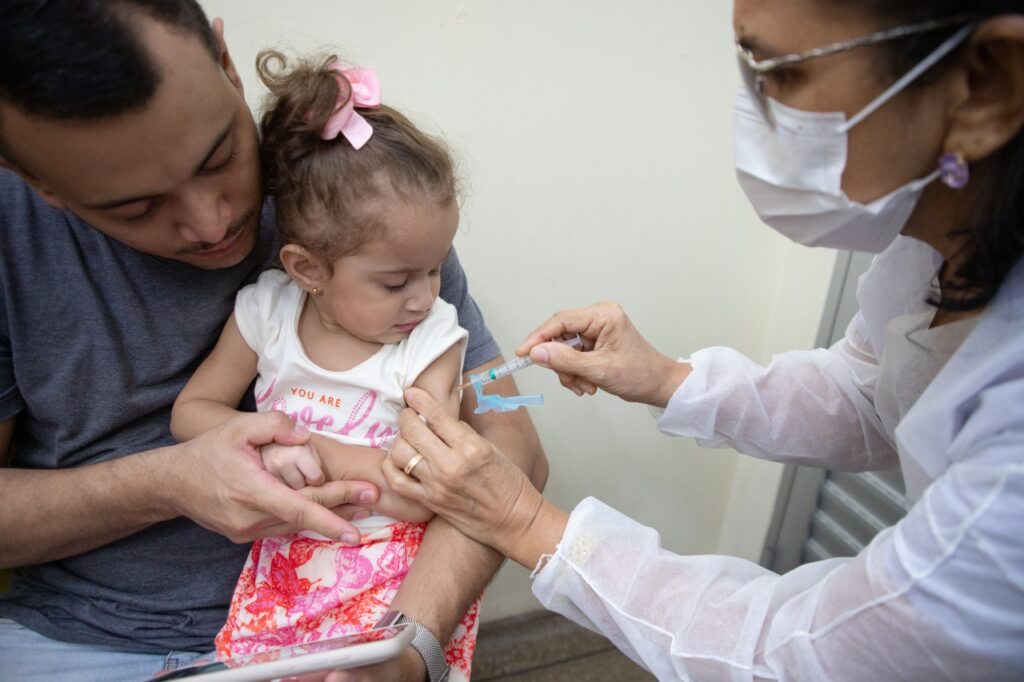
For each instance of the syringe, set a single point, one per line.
(511, 367)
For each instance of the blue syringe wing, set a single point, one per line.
(498, 403)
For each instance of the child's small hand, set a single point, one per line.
(296, 465)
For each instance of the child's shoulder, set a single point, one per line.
(444, 310)
(272, 291)
(274, 278)
(272, 282)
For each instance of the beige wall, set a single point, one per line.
(596, 141)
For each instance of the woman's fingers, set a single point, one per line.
(566, 360)
(433, 419)
(561, 324)
(462, 476)
(402, 483)
(403, 455)
(611, 345)
(622, 361)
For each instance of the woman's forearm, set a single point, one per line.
(544, 532)
(451, 570)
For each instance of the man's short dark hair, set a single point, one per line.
(82, 59)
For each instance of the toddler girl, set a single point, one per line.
(366, 206)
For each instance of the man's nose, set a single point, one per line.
(204, 216)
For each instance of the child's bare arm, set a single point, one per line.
(359, 463)
(212, 395)
(441, 379)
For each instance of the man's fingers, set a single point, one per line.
(271, 427)
(304, 514)
(310, 509)
(350, 512)
(337, 493)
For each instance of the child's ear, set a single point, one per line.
(306, 269)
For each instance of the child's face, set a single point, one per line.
(382, 292)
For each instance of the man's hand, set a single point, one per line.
(218, 480)
(617, 359)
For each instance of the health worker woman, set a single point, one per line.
(887, 126)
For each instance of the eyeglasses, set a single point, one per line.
(754, 72)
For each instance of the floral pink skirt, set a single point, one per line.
(295, 590)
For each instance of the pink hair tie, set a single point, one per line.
(365, 93)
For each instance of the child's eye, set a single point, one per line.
(435, 272)
(395, 288)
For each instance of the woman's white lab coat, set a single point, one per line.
(938, 596)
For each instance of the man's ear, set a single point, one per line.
(306, 269)
(992, 111)
(42, 190)
(226, 62)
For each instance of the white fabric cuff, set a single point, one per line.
(688, 412)
(574, 549)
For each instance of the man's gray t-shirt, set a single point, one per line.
(96, 341)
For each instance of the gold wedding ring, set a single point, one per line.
(412, 464)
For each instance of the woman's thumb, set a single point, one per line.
(561, 358)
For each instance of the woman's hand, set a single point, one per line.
(617, 359)
(465, 479)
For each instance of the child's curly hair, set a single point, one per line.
(326, 192)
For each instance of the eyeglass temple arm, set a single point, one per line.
(766, 65)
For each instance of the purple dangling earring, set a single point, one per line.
(954, 169)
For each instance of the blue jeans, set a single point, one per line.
(28, 656)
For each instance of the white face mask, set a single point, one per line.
(793, 174)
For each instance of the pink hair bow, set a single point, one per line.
(365, 92)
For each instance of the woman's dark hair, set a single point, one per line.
(75, 59)
(996, 228)
(327, 194)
